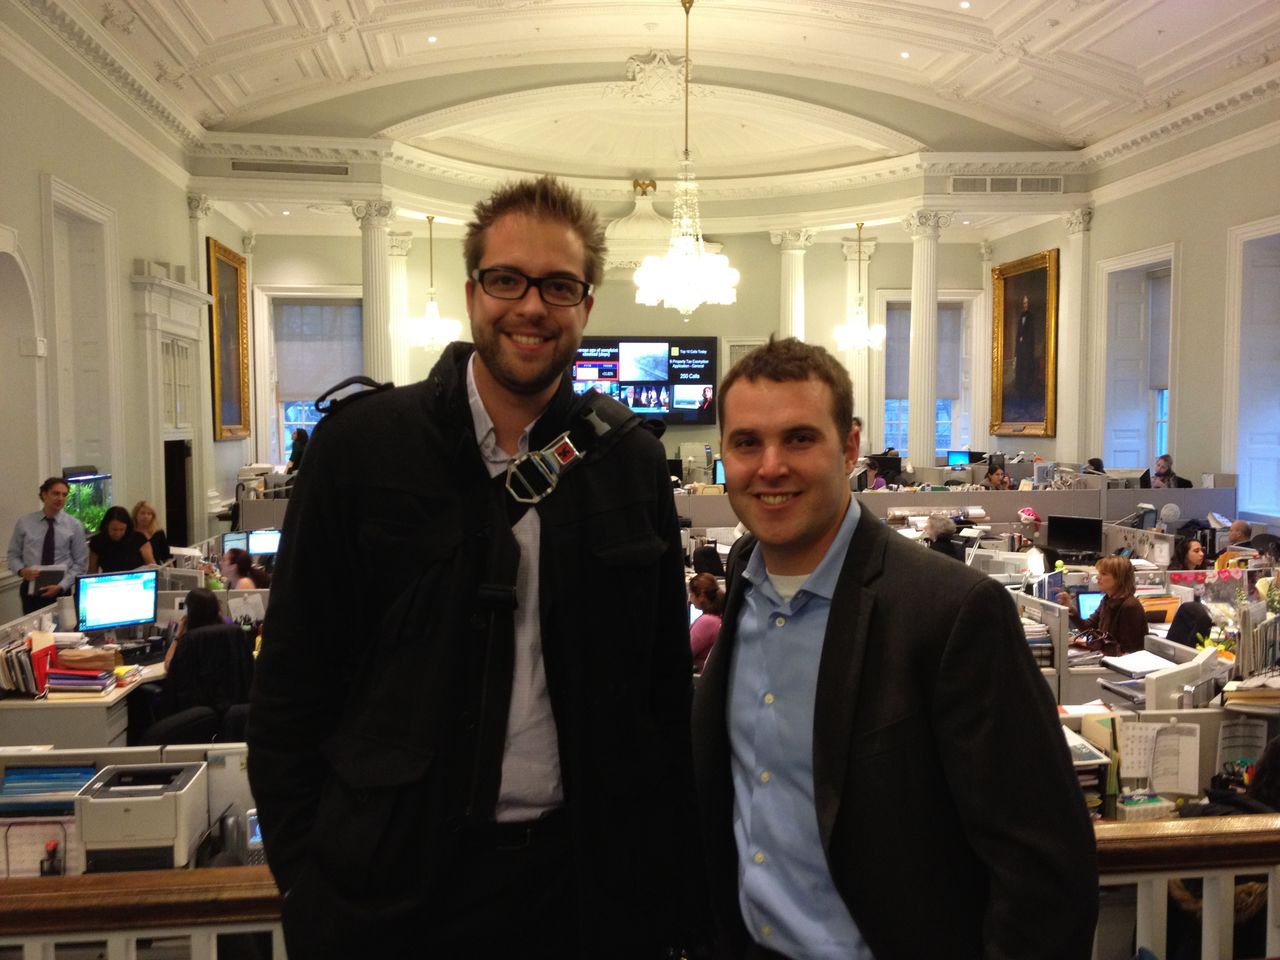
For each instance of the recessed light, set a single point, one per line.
(284, 213)
(964, 222)
(904, 55)
(432, 39)
(964, 4)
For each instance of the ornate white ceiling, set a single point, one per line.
(589, 88)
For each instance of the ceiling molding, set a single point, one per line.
(35, 65)
(170, 118)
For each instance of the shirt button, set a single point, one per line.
(766, 776)
(780, 622)
(759, 857)
(768, 698)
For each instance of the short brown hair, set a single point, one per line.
(793, 361)
(52, 482)
(545, 199)
(1122, 570)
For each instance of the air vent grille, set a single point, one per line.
(972, 185)
(291, 166)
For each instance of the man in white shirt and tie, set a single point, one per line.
(45, 538)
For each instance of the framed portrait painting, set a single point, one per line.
(229, 342)
(1024, 351)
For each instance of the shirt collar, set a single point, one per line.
(822, 581)
(486, 435)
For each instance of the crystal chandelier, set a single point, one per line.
(858, 334)
(432, 329)
(687, 276)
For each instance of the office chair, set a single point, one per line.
(212, 667)
(193, 725)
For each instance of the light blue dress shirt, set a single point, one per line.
(69, 544)
(789, 901)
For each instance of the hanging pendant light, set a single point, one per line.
(433, 329)
(858, 333)
(687, 276)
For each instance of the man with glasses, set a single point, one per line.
(490, 755)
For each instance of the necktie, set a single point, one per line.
(46, 552)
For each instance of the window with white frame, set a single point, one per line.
(951, 414)
(318, 343)
(1158, 306)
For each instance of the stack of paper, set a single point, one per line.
(64, 680)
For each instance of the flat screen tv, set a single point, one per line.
(1075, 534)
(672, 379)
(108, 600)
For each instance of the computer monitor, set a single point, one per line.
(995, 460)
(719, 471)
(264, 542)
(694, 614)
(1088, 603)
(1074, 534)
(977, 456)
(105, 601)
(890, 467)
(676, 469)
(236, 540)
(958, 458)
(1044, 473)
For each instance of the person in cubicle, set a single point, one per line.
(997, 479)
(117, 546)
(239, 572)
(1120, 623)
(48, 537)
(486, 752)
(881, 771)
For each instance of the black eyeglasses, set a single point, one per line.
(507, 284)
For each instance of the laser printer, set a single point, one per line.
(143, 816)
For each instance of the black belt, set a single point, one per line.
(517, 834)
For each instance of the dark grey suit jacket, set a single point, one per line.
(951, 818)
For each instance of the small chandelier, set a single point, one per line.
(858, 334)
(687, 276)
(432, 329)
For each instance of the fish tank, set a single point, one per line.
(88, 497)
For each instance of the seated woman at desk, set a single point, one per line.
(202, 611)
(874, 480)
(117, 546)
(239, 572)
(1188, 554)
(706, 595)
(1119, 620)
(144, 521)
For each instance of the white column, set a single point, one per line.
(376, 278)
(922, 390)
(983, 352)
(262, 394)
(858, 350)
(792, 244)
(205, 498)
(398, 270)
(1073, 298)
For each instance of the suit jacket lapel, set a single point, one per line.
(840, 669)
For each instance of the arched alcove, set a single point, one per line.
(20, 388)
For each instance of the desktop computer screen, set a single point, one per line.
(237, 540)
(1088, 602)
(958, 458)
(264, 542)
(108, 600)
(1074, 534)
(719, 471)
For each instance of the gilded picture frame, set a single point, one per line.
(1024, 354)
(229, 342)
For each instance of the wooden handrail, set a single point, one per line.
(1196, 843)
(142, 899)
(183, 898)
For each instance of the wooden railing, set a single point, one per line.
(229, 899)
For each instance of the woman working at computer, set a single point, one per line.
(1119, 622)
(1188, 554)
(240, 573)
(117, 546)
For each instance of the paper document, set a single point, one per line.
(1241, 738)
(1137, 664)
(1166, 755)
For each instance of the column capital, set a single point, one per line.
(199, 206)
(1079, 220)
(850, 247)
(371, 213)
(399, 243)
(926, 223)
(984, 251)
(247, 242)
(797, 238)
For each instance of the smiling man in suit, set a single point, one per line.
(881, 770)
